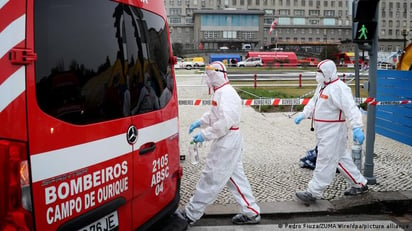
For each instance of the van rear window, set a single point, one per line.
(100, 60)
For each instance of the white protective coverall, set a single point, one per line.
(330, 107)
(224, 160)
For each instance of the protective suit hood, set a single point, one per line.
(216, 75)
(326, 72)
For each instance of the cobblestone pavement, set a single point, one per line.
(273, 145)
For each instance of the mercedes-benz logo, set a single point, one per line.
(132, 134)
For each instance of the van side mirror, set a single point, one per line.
(173, 60)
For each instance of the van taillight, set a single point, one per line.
(15, 197)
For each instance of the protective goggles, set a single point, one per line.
(212, 68)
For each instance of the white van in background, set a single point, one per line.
(246, 46)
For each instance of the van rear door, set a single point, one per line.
(156, 149)
(79, 143)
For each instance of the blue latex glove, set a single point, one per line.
(358, 135)
(198, 138)
(299, 118)
(194, 125)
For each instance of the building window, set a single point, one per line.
(189, 20)
(303, 3)
(314, 12)
(247, 35)
(175, 11)
(298, 21)
(329, 13)
(284, 12)
(313, 21)
(268, 12)
(189, 11)
(284, 21)
(175, 20)
(229, 34)
(268, 21)
(299, 12)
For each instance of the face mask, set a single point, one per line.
(320, 78)
(206, 79)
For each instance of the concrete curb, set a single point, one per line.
(398, 202)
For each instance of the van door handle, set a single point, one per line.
(147, 147)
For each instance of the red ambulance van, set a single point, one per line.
(88, 115)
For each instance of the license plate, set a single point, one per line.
(109, 222)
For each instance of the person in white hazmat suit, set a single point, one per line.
(224, 161)
(330, 107)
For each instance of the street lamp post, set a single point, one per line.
(404, 34)
(326, 44)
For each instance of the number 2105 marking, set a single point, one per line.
(160, 163)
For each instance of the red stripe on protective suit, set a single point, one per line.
(243, 196)
(349, 175)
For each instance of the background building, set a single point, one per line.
(303, 26)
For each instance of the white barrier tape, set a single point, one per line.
(291, 101)
(374, 102)
(250, 102)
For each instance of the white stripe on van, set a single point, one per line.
(12, 35)
(57, 162)
(12, 87)
(2, 3)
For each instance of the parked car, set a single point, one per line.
(246, 47)
(187, 64)
(251, 62)
(195, 62)
(179, 63)
(198, 62)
